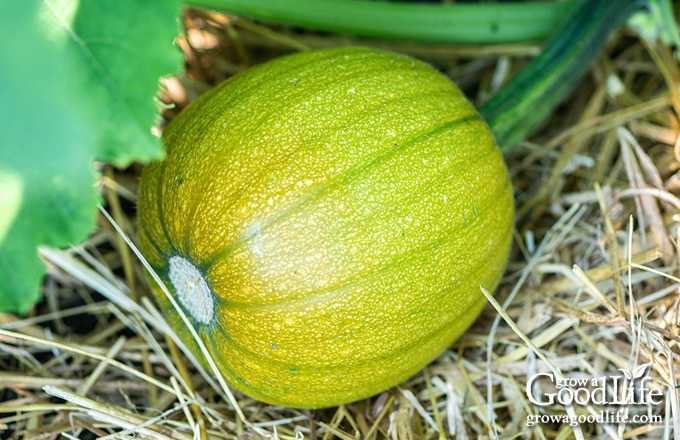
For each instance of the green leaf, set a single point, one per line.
(78, 84)
(656, 21)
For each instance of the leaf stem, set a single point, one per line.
(524, 103)
(491, 23)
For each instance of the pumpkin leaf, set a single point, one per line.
(656, 22)
(78, 83)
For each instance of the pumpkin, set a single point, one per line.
(326, 220)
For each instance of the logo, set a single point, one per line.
(630, 388)
(620, 398)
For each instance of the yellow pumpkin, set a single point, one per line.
(326, 221)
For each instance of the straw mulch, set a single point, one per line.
(591, 288)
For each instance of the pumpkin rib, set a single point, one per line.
(350, 174)
(367, 276)
(146, 232)
(361, 115)
(330, 369)
(442, 328)
(366, 361)
(365, 113)
(161, 211)
(158, 247)
(482, 209)
(257, 77)
(476, 269)
(224, 363)
(298, 303)
(255, 82)
(416, 255)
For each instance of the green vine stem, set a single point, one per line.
(489, 23)
(523, 104)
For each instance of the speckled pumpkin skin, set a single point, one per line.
(344, 207)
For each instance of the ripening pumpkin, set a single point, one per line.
(326, 221)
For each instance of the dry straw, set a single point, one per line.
(591, 288)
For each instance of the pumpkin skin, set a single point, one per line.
(326, 220)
